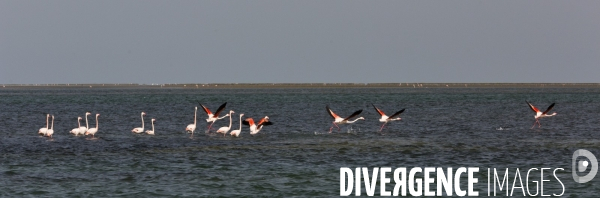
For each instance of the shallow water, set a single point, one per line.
(456, 127)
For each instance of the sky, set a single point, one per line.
(298, 41)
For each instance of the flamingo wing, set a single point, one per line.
(378, 110)
(248, 121)
(549, 108)
(264, 121)
(331, 113)
(532, 107)
(397, 113)
(221, 108)
(205, 109)
(353, 115)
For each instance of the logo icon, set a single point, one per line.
(582, 166)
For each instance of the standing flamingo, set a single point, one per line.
(255, 128)
(51, 130)
(75, 131)
(224, 130)
(43, 130)
(149, 132)
(213, 117)
(339, 120)
(140, 129)
(385, 119)
(83, 129)
(192, 127)
(539, 114)
(236, 133)
(93, 130)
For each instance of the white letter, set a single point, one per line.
(542, 182)
(357, 182)
(517, 174)
(457, 182)
(428, 181)
(472, 180)
(412, 180)
(441, 180)
(370, 185)
(343, 190)
(527, 183)
(384, 181)
(400, 182)
(503, 180)
(563, 186)
(488, 182)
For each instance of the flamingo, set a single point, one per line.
(539, 114)
(93, 130)
(51, 130)
(213, 117)
(385, 119)
(340, 120)
(82, 129)
(192, 127)
(140, 129)
(224, 130)
(43, 130)
(149, 132)
(236, 133)
(255, 128)
(75, 131)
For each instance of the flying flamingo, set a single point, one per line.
(224, 130)
(83, 129)
(75, 131)
(140, 129)
(539, 114)
(43, 130)
(149, 132)
(93, 130)
(339, 120)
(51, 130)
(255, 128)
(236, 133)
(385, 119)
(213, 117)
(192, 127)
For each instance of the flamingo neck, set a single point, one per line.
(52, 124)
(195, 112)
(229, 120)
(152, 126)
(47, 118)
(78, 122)
(355, 120)
(96, 121)
(142, 121)
(86, 122)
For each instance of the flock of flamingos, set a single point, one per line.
(255, 127)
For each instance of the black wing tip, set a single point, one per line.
(244, 122)
(267, 123)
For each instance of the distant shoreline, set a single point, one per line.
(305, 85)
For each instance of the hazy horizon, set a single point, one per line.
(145, 42)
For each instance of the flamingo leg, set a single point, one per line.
(209, 126)
(382, 126)
(332, 127)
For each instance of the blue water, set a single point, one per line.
(456, 127)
